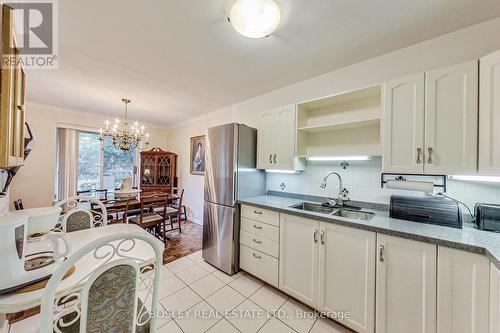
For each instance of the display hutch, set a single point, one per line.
(157, 170)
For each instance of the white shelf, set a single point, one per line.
(341, 125)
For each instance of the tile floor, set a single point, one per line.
(195, 298)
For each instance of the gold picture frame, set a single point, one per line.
(197, 155)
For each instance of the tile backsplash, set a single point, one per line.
(362, 179)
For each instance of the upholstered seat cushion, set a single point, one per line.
(146, 218)
(171, 210)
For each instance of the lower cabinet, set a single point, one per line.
(347, 275)
(406, 286)
(299, 253)
(494, 299)
(462, 291)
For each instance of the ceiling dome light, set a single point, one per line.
(255, 18)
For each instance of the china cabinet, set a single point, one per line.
(157, 170)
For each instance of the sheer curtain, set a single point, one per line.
(68, 140)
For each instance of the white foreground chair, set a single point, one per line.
(82, 213)
(119, 296)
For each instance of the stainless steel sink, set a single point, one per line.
(353, 214)
(311, 207)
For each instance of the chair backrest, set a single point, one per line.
(116, 207)
(101, 194)
(18, 204)
(87, 193)
(118, 294)
(151, 201)
(81, 213)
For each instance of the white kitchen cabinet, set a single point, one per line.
(299, 252)
(403, 124)
(451, 119)
(494, 299)
(462, 291)
(347, 274)
(489, 114)
(276, 144)
(406, 286)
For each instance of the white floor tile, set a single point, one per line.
(223, 326)
(248, 317)
(170, 327)
(275, 326)
(206, 266)
(207, 285)
(192, 274)
(196, 257)
(268, 298)
(225, 299)
(170, 285)
(198, 319)
(180, 301)
(165, 272)
(226, 278)
(246, 285)
(327, 326)
(298, 316)
(180, 264)
(28, 325)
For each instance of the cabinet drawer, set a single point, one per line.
(260, 229)
(259, 243)
(261, 215)
(259, 264)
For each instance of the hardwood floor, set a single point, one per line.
(183, 244)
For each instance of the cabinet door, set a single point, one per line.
(489, 114)
(406, 286)
(494, 299)
(463, 291)
(298, 273)
(265, 141)
(451, 119)
(285, 129)
(403, 125)
(347, 275)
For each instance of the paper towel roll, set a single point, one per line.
(410, 185)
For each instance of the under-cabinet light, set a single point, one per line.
(339, 158)
(490, 179)
(280, 171)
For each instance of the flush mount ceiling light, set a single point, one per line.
(255, 18)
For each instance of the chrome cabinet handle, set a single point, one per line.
(256, 256)
(431, 151)
(315, 235)
(419, 155)
(257, 212)
(381, 251)
(257, 227)
(322, 237)
(274, 158)
(271, 158)
(257, 241)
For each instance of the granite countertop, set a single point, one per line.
(468, 238)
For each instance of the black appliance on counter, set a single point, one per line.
(431, 210)
(487, 217)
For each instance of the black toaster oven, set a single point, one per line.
(487, 217)
(430, 210)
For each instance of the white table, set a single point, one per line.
(12, 303)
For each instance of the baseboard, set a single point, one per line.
(195, 221)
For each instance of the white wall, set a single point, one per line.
(460, 46)
(35, 181)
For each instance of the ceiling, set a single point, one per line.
(177, 59)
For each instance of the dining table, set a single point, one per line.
(17, 302)
(134, 202)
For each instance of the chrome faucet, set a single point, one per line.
(343, 192)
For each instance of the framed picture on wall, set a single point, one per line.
(197, 155)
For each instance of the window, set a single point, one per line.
(102, 169)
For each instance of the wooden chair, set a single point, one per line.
(174, 213)
(101, 194)
(117, 295)
(117, 210)
(152, 215)
(183, 208)
(18, 204)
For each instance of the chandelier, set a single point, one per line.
(122, 135)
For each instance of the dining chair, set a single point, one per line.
(174, 212)
(152, 214)
(18, 204)
(101, 194)
(175, 204)
(117, 210)
(80, 213)
(119, 293)
(88, 193)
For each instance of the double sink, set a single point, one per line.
(335, 211)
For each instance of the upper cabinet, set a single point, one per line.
(489, 115)
(430, 121)
(276, 143)
(12, 95)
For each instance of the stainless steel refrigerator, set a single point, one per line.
(230, 175)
